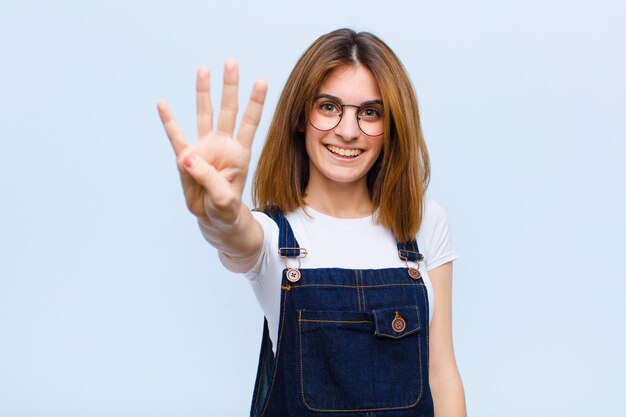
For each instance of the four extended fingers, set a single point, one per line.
(252, 116)
(204, 109)
(228, 110)
(173, 131)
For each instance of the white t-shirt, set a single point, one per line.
(343, 243)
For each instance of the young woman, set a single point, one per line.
(350, 262)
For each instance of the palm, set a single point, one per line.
(214, 185)
(229, 158)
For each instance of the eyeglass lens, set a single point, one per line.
(327, 113)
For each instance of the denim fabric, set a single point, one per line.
(339, 351)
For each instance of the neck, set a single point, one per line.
(346, 201)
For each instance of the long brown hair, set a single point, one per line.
(398, 180)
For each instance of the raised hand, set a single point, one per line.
(213, 170)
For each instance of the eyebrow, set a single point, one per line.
(337, 99)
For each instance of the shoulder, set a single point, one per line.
(434, 219)
(433, 210)
(270, 240)
(434, 215)
(268, 225)
(434, 236)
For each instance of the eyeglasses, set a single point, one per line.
(327, 112)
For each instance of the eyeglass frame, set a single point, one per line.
(356, 114)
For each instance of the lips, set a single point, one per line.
(346, 153)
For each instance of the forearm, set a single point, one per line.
(448, 395)
(238, 244)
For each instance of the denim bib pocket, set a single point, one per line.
(361, 360)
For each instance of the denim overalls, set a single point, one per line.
(350, 342)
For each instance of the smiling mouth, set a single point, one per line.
(346, 153)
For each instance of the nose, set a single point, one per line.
(348, 127)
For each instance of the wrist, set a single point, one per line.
(222, 226)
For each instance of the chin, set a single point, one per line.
(346, 178)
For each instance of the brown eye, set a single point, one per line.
(328, 107)
(370, 113)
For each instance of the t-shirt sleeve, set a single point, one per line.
(270, 240)
(435, 236)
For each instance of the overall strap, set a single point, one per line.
(409, 251)
(287, 243)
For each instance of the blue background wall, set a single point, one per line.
(111, 302)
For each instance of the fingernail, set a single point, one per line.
(189, 159)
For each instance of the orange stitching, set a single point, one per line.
(419, 349)
(335, 321)
(357, 286)
(424, 290)
(301, 366)
(362, 288)
(358, 293)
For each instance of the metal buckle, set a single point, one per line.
(420, 257)
(412, 271)
(293, 274)
(303, 252)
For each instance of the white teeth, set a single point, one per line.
(344, 152)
